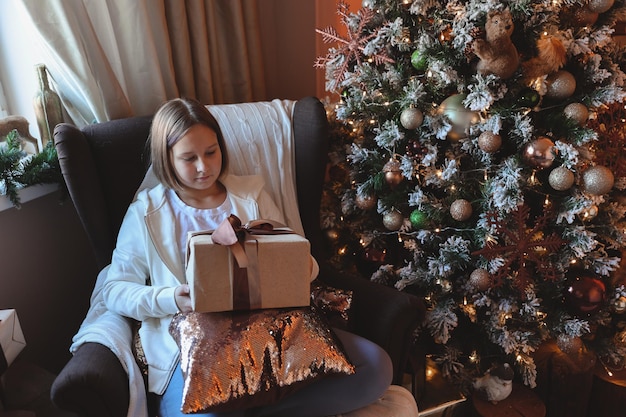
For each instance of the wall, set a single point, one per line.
(47, 274)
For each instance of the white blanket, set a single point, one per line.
(113, 331)
(259, 141)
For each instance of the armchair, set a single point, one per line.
(103, 166)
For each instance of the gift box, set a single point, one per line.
(253, 267)
(11, 338)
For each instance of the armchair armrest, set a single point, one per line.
(381, 314)
(92, 384)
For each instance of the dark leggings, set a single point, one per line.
(335, 394)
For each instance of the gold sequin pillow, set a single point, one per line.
(238, 360)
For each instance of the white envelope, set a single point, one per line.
(11, 336)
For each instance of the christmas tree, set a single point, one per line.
(478, 161)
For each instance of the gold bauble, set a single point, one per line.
(393, 174)
(600, 6)
(459, 116)
(365, 202)
(561, 178)
(540, 153)
(489, 142)
(582, 16)
(619, 305)
(560, 85)
(480, 279)
(578, 112)
(393, 220)
(461, 210)
(411, 118)
(598, 180)
(590, 213)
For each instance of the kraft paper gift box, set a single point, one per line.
(11, 338)
(278, 274)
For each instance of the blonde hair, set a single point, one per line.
(171, 122)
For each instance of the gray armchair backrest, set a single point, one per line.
(103, 165)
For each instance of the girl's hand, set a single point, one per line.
(183, 300)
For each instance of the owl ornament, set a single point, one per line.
(496, 384)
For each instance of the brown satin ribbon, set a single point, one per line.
(246, 276)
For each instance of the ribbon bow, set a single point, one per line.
(231, 233)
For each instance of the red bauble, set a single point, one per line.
(374, 255)
(585, 294)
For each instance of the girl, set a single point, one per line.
(195, 193)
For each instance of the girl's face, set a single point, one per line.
(197, 160)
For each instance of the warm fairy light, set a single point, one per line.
(546, 202)
(430, 373)
(439, 173)
(453, 188)
(386, 103)
(429, 74)
(573, 261)
(342, 250)
(464, 301)
(362, 242)
(437, 230)
(399, 238)
(519, 358)
(473, 357)
(372, 121)
(533, 179)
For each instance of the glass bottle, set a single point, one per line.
(47, 104)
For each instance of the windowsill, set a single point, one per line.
(28, 193)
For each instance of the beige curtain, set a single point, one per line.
(110, 59)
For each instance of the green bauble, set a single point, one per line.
(528, 98)
(418, 61)
(418, 219)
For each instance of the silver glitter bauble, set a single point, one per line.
(459, 116)
(600, 6)
(489, 142)
(578, 112)
(365, 202)
(560, 85)
(367, 3)
(540, 153)
(461, 210)
(480, 279)
(393, 220)
(598, 180)
(411, 118)
(569, 344)
(561, 178)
